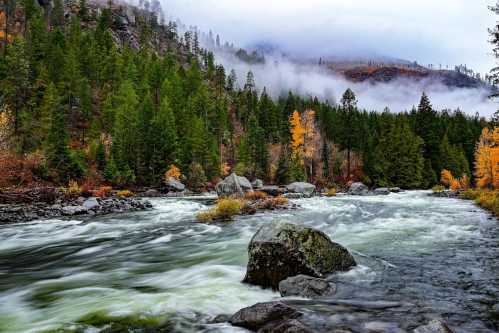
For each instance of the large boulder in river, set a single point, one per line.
(302, 188)
(280, 250)
(358, 189)
(306, 286)
(233, 185)
(434, 326)
(173, 185)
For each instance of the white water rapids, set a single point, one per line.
(435, 257)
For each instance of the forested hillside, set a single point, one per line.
(109, 94)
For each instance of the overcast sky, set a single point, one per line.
(428, 31)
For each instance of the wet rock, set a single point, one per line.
(358, 189)
(151, 193)
(280, 250)
(257, 184)
(445, 194)
(274, 191)
(306, 286)
(174, 185)
(395, 189)
(73, 210)
(286, 326)
(91, 203)
(260, 315)
(302, 188)
(233, 185)
(219, 319)
(434, 326)
(381, 191)
(294, 195)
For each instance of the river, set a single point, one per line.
(419, 258)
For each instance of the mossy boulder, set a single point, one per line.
(280, 250)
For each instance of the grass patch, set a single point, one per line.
(331, 192)
(255, 195)
(225, 210)
(438, 189)
(486, 199)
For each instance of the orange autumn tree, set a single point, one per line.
(455, 184)
(173, 172)
(297, 135)
(487, 159)
(305, 139)
(311, 145)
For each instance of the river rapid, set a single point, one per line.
(419, 258)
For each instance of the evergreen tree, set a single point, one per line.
(57, 150)
(123, 151)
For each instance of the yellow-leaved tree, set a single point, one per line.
(173, 172)
(487, 159)
(297, 135)
(311, 140)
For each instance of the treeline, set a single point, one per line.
(78, 105)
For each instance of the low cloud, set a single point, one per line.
(279, 76)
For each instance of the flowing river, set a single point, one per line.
(160, 271)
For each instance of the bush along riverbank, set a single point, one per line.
(47, 202)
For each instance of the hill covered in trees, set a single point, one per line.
(111, 94)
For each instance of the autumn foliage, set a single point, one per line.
(487, 159)
(455, 184)
(173, 172)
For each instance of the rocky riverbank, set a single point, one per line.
(35, 204)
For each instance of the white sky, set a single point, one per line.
(428, 31)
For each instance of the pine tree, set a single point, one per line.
(57, 150)
(349, 107)
(123, 151)
(165, 145)
(57, 17)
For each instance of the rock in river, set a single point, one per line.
(174, 185)
(260, 315)
(302, 188)
(382, 191)
(358, 189)
(305, 286)
(233, 185)
(280, 250)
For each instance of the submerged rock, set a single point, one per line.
(280, 250)
(302, 188)
(305, 286)
(233, 185)
(358, 189)
(260, 315)
(434, 326)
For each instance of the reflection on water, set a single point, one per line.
(420, 257)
